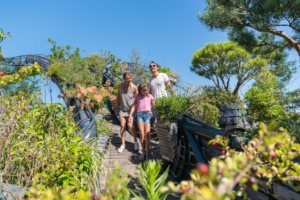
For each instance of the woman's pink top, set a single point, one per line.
(143, 103)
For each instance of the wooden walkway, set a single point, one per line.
(129, 158)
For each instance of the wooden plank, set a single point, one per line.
(163, 135)
(167, 147)
(256, 195)
(284, 192)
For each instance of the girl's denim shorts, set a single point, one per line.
(144, 117)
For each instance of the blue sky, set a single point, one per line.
(166, 31)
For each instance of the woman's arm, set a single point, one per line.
(119, 98)
(135, 90)
(132, 110)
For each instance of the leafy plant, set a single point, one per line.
(262, 99)
(70, 68)
(21, 75)
(117, 185)
(170, 109)
(266, 158)
(151, 181)
(39, 147)
(117, 190)
(102, 127)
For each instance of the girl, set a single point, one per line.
(143, 102)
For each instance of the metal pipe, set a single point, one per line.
(196, 147)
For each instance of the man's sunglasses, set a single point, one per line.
(152, 66)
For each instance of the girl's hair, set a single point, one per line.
(143, 86)
(127, 74)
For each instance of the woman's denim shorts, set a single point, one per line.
(144, 117)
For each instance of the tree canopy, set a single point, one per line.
(220, 62)
(262, 99)
(277, 17)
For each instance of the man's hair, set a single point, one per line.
(143, 86)
(127, 74)
(152, 62)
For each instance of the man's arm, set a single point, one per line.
(169, 87)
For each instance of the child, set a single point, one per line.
(143, 102)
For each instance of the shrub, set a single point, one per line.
(268, 158)
(170, 109)
(151, 181)
(41, 149)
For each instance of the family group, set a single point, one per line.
(139, 102)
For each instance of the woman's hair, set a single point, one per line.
(141, 87)
(127, 74)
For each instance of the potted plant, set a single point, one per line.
(170, 109)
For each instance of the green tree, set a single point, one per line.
(264, 16)
(2, 37)
(262, 99)
(70, 68)
(220, 62)
(277, 58)
(29, 85)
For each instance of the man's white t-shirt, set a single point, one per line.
(158, 85)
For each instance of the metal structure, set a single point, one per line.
(192, 145)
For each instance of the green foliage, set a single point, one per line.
(210, 114)
(266, 158)
(206, 104)
(52, 194)
(102, 127)
(170, 109)
(277, 58)
(21, 75)
(42, 149)
(70, 68)
(262, 99)
(2, 37)
(151, 181)
(292, 124)
(28, 85)
(117, 185)
(259, 15)
(220, 62)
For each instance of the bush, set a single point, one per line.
(268, 158)
(39, 147)
(170, 109)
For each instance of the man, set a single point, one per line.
(158, 83)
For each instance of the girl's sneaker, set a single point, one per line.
(136, 145)
(122, 147)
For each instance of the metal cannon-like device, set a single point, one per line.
(186, 143)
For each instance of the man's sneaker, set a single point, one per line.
(122, 147)
(136, 145)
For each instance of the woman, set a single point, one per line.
(142, 103)
(125, 99)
